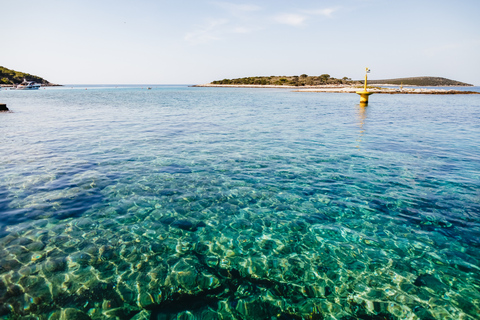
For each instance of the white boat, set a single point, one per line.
(28, 85)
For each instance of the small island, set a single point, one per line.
(9, 78)
(326, 83)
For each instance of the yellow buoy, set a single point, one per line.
(364, 94)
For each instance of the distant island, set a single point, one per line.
(10, 77)
(326, 83)
(422, 81)
(302, 80)
(325, 79)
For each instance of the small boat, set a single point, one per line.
(28, 85)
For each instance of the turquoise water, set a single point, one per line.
(223, 203)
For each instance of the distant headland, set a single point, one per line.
(422, 82)
(10, 77)
(325, 80)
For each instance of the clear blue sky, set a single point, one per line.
(197, 41)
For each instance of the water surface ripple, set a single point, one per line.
(223, 203)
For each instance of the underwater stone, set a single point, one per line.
(159, 272)
(119, 313)
(125, 292)
(71, 313)
(85, 224)
(5, 310)
(185, 224)
(157, 247)
(145, 300)
(9, 264)
(429, 281)
(13, 290)
(241, 224)
(251, 308)
(208, 281)
(55, 315)
(17, 250)
(54, 265)
(38, 290)
(142, 315)
(184, 275)
(106, 270)
(423, 313)
(201, 248)
(35, 246)
(167, 220)
(58, 240)
(55, 253)
(107, 253)
(78, 258)
(25, 258)
(22, 241)
(89, 248)
(27, 270)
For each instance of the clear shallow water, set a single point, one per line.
(221, 203)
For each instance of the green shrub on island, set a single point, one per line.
(11, 77)
(302, 80)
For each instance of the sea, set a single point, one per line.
(179, 202)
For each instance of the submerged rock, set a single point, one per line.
(142, 315)
(427, 280)
(71, 313)
(54, 265)
(185, 224)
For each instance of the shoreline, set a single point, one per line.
(344, 89)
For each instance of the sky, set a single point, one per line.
(198, 41)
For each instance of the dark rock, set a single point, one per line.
(9, 264)
(185, 224)
(4, 310)
(17, 250)
(14, 290)
(81, 258)
(423, 313)
(427, 280)
(71, 313)
(54, 265)
(3, 107)
(168, 220)
(107, 253)
(22, 241)
(35, 246)
(157, 247)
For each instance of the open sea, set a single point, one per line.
(175, 202)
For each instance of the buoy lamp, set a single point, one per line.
(364, 94)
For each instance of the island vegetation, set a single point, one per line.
(302, 80)
(326, 79)
(422, 81)
(11, 77)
